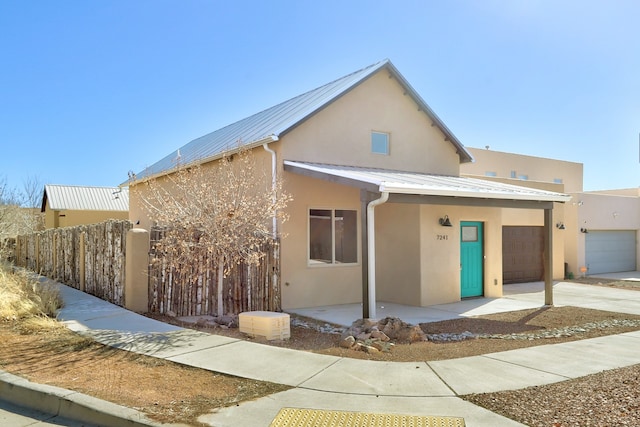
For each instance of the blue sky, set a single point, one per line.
(92, 89)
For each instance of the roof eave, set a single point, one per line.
(559, 198)
(464, 155)
(250, 146)
(370, 72)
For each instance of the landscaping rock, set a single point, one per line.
(369, 349)
(347, 342)
(363, 336)
(379, 335)
(229, 321)
(383, 346)
(372, 337)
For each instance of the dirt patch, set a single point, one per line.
(163, 390)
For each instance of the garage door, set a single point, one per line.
(522, 259)
(610, 251)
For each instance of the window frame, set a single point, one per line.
(333, 262)
(388, 143)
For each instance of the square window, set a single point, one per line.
(380, 143)
(333, 236)
(469, 233)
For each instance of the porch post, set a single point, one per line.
(365, 197)
(548, 256)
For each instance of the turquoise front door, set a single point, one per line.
(471, 259)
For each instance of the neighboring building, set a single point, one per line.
(599, 229)
(379, 210)
(523, 170)
(607, 224)
(69, 205)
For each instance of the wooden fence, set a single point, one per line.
(192, 290)
(87, 257)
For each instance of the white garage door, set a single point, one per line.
(610, 251)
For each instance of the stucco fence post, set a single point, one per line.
(136, 285)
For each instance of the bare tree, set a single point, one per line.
(18, 213)
(32, 189)
(223, 210)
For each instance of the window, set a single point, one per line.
(469, 233)
(489, 173)
(523, 177)
(380, 143)
(333, 236)
(557, 180)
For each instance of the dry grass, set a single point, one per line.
(23, 297)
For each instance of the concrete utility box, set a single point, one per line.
(268, 324)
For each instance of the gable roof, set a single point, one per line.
(82, 198)
(271, 124)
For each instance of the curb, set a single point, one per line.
(70, 404)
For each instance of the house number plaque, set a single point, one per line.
(442, 237)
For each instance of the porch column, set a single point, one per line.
(548, 256)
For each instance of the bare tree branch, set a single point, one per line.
(18, 214)
(224, 210)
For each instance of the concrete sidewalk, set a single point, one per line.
(327, 382)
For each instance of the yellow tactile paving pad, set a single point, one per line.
(295, 417)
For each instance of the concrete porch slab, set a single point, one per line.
(346, 314)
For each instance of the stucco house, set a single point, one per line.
(599, 229)
(69, 205)
(380, 211)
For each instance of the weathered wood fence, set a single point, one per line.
(92, 258)
(86, 257)
(192, 290)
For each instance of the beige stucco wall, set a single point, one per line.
(69, 218)
(536, 168)
(441, 258)
(305, 285)
(341, 133)
(601, 211)
(398, 253)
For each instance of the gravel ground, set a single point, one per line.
(610, 398)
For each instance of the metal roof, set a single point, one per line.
(399, 182)
(82, 198)
(269, 125)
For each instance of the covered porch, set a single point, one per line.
(466, 196)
